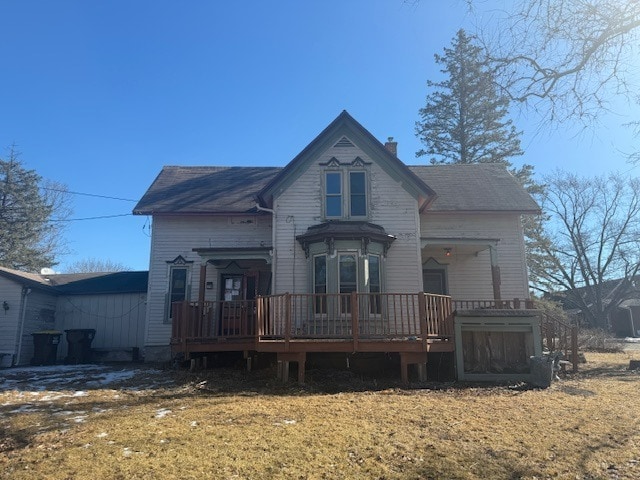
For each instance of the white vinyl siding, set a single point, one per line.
(300, 206)
(38, 316)
(179, 235)
(469, 276)
(9, 319)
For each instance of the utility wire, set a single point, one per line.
(54, 220)
(88, 194)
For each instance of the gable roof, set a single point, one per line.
(235, 190)
(475, 187)
(345, 125)
(81, 283)
(205, 190)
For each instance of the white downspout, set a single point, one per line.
(23, 313)
(273, 244)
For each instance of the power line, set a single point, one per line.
(54, 220)
(88, 194)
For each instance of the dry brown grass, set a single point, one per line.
(236, 426)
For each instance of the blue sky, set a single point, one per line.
(101, 95)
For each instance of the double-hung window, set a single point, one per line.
(345, 194)
(348, 277)
(374, 284)
(320, 283)
(333, 197)
(178, 287)
(357, 194)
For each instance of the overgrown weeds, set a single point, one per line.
(598, 340)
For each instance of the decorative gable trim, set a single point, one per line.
(334, 162)
(358, 162)
(179, 260)
(346, 126)
(344, 142)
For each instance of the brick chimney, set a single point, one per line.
(392, 146)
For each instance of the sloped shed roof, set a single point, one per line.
(82, 283)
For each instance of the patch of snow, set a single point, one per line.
(102, 435)
(35, 380)
(163, 412)
(24, 408)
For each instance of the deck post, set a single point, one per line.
(201, 290)
(287, 323)
(409, 358)
(284, 360)
(422, 311)
(354, 319)
(185, 324)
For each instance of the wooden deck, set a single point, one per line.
(291, 325)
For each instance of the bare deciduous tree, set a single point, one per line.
(88, 265)
(590, 241)
(566, 58)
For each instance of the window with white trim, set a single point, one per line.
(374, 283)
(320, 283)
(178, 287)
(345, 196)
(357, 194)
(333, 194)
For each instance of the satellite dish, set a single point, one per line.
(47, 271)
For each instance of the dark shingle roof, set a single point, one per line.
(108, 282)
(82, 283)
(205, 190)
(469, 187)
(475, 187)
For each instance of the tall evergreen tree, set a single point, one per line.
(464, 119)
(29, 240)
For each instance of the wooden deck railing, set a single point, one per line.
(234, 319)
(558, 336)
(511, 304)
(316, 316)
(344, 315)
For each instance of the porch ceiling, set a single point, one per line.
(213, 255)
(437, 247)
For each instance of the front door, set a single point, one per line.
(434, 281)
(237, 309)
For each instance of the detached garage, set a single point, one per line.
(113, 304)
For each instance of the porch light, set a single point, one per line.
(447, 252)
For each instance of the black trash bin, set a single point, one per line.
(45, 347)
(79, 345)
